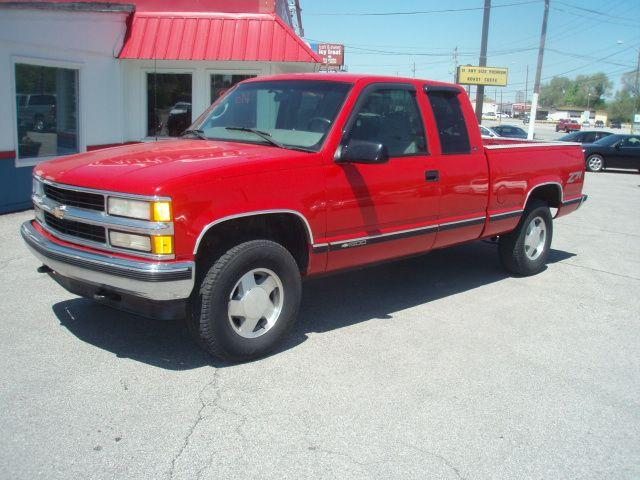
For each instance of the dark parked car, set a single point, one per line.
(584, 136)
(179, 118)
(613, 151)
(615, 124)
(509, 131)
(599, 124)
(37, 111)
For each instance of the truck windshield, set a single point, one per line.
(292, 113)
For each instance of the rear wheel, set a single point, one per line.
(525, 250)
(595, 163)
(246, 302)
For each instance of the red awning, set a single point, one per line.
(217, 36)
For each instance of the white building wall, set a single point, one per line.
(112, 97)
(82, 40)
(135, 84)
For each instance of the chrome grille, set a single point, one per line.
(74, 198)
(93, 233)
(79, 215)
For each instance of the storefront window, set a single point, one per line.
(220, 83)
(169, 104)
(47, 106)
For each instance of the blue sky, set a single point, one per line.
(579, 39)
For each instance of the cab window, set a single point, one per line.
(630, 142)
(452, 129)
(391, 116)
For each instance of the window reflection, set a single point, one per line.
(169, 103)
(220, 83)
(47, 105)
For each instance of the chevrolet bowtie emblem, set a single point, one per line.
(59, 212)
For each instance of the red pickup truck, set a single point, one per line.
(287, 177)
(566, 125)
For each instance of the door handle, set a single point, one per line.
(432, 176)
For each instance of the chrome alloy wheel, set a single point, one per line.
(595, 163)
(255, 303)
(535, 238)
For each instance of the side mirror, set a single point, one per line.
(358, 151)
(617, 146)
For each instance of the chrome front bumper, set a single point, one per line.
(146, 279)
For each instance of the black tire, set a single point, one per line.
(511, 246)
(208, 319)
(595, 163)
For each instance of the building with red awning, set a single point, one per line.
(79, 76)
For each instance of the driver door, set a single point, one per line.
(381, 211)
(628, 152)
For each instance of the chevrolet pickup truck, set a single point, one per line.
(288, 177)
(567, 126)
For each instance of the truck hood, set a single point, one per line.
(145, 168)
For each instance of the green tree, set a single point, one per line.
(629, 84)
(620, 109)
(553, 93)
(583, 91)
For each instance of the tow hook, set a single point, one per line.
(43, 269)
(102, 295)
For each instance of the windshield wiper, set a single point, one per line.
(264, 135)
(193, 131)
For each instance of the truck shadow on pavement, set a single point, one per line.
(328, 303)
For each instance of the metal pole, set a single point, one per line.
(455, 65)
(635, 102)
(536, 84)
(483, 57)
(526, 90)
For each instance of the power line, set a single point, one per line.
(602, 20)
(373, 51)
(418, 12)
(594, 12)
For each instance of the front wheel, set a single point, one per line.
(595, 163)
(246, 301)
(525, 250)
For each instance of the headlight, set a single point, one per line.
(37, 188)
(125, 207)
(160, 245)
(130, 241)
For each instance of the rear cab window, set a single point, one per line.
(452, 128)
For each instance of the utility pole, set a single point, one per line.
(526, 90)
(637, 88)
(455, 65)
(536, 84)
(413, 69)
(483, 57)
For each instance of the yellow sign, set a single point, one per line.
(495, 76)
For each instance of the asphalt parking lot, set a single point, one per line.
(438, 367)
(546, 131)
